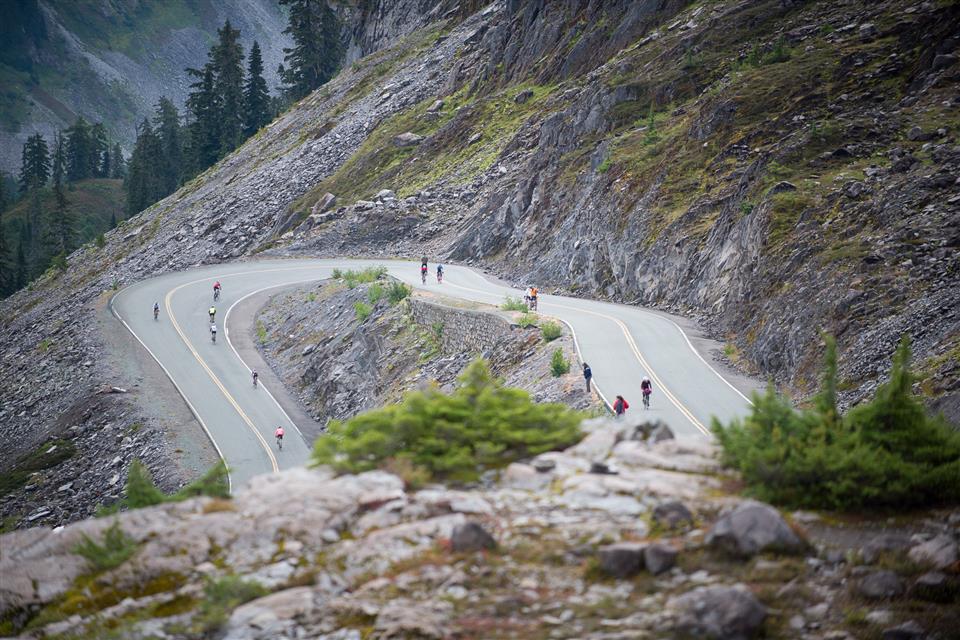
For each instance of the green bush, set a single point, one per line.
(362, 309)
(375, 293)
(223, 595)
(336, 274)
(397, 291)
(884, 453)
(481, 425)
(214, 483)
(353, 278)
(140, 489)
(558, 364)
(115, 549)
(527, 320)
(550, 331)
(100, 241)
(511, 303)
(59, 262)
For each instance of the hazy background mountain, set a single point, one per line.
(111, 60)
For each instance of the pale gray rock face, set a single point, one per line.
(937, 553)
(720, 612)
(878, 585)
(752, 527)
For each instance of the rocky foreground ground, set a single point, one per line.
(629, 534)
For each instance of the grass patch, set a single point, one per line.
(375, 293)
(115, 549)
(511, 303)
(46, 456)
(785, 212)
(363, 276)
(481, 425)
(550, 330)
(222, 596)
(261, 332)
(527, 320)
(362, 309)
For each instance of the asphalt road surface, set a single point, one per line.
(621, 343)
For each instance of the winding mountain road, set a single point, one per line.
(622, 344)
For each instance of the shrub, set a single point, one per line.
(481, 425)
(527, 320)
(362, 309)
(336, 274)
(884, 453)
(59, 262)
(511, 303)
(558, 364)
(223, 595)
(261, 332)
(140, 490)
(397, 291)
(214, 484)
(353, 278)
(375, 293)
(100, 241)
(550, 330)
(115, 549)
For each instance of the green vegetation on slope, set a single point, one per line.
(481, 425)
(46, 456)
(883, 453)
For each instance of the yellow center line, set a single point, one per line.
(216, 380)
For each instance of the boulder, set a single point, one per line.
(944, 60)
(937, 553)
(386, 194)
(672, 515)
(753, 527)
(523, 96)
(407, 140)
(727, 612)
(909, 630)
(935, 586)
(471, 536)
(435, 107)
(877, 585)
(881, 544)
(323, 204)
(410, 619)
(868, 31)
(782, 187)
(659, 557)
(622, 560)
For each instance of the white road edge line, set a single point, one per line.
(193, 410)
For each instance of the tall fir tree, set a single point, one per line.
(61, 228)
(227, 59)
(317, 46)
(204, 107)
(167, 126)
(34, 164)
(8, 276)
(99, 145)
(80, 150)
(118, 167)
(143, 171)
(256, 97)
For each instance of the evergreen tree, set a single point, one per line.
(317, 46)
(80, 150)
(227, 59)
(61, 227)
(106, 163)
(98, 147)
(256, 97)
(204, 107)
(143, 172)
(118, 168)
(8, 277)
(3, 193)
(20, 276)
(34, 164)
(167, 123)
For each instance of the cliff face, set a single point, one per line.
(111, 61)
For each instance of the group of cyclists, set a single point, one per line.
(620, 404)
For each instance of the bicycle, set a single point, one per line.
(216, 294)
(213, 335)
(255, 376)
(423, 277)
(280, 443)
(439, 277)
(156, 314)
(646, 400)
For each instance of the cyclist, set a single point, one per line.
(279, 434)
(156, 310)
(439, 273)
(528, 296)
(620, 406)
(533, 298)
(647, 388)
(255, 377)
(423, 273)
(213, 312)
(213, 332)
(216, 290)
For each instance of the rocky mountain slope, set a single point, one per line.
(772, 168)
(111, 61)
(628, 534)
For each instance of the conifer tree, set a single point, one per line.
(317, 46)
(98, 147)
(106, 163)
(167, 126)
(143, 179)
(118, 168)
(227, 59)
(204, 107)
(61, 228)
(21, 269)
(80, 150)
(34, 164)
(8, 277)
(256, 97)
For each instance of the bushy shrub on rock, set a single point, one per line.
(481, 425)
(883, 453)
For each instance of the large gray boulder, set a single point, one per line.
(727, 612)
(883, 543)
(407, 139)
(937, 553)
(878, 585)
(672, 515)
(752, 527)
(659, 557)
(622, 560)
(471, 536)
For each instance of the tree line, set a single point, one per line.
(228, 102)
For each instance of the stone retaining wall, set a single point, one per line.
(463, 329)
